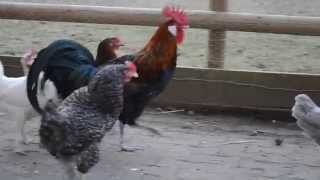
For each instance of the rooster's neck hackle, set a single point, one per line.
(158, 55)
(161, 38)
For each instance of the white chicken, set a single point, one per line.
(307, 114)
(14, 101)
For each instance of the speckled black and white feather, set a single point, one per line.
(74, 129)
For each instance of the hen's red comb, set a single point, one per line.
(176, 14)
(131, 66)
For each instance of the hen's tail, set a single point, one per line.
(27, 60)
(52, 131)
(307, 114)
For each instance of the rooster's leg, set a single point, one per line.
(122, 147)
(83, 177)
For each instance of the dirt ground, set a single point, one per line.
(201, 147)
(224, 147)
(251, 51)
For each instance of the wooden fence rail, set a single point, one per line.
(149, 17)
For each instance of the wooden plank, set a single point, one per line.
(242, 90)
(12, 66)
(228, 89)
(151, 17)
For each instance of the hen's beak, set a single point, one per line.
(135, 75)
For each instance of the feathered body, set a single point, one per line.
(12, 90)
(14, 99)
(307, 114)
(156, 63)
(72, 130)
(68, 64)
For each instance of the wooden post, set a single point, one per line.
(216, 39)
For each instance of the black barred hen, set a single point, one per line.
(72, 131)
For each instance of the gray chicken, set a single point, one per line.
(307, 114)
(73, 130)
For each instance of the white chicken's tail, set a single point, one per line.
(307, 114)
(27, 59)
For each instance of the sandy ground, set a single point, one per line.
(251, 51)
(222, 147)
(191, 147)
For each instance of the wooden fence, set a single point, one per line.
(207, 88)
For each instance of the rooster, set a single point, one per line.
(307, 114)
(73, 130)
(69, 65)
(14, 98)
(156, 63)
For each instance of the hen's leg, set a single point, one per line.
(122, 146)
(70, 170)
(87, 160)
(21, 127)
(18, 115)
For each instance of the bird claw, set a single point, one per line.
(21, 153)
(19, 150)
(27, 141)
(130, 149)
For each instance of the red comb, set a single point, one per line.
(131, 66)
(176, 14)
